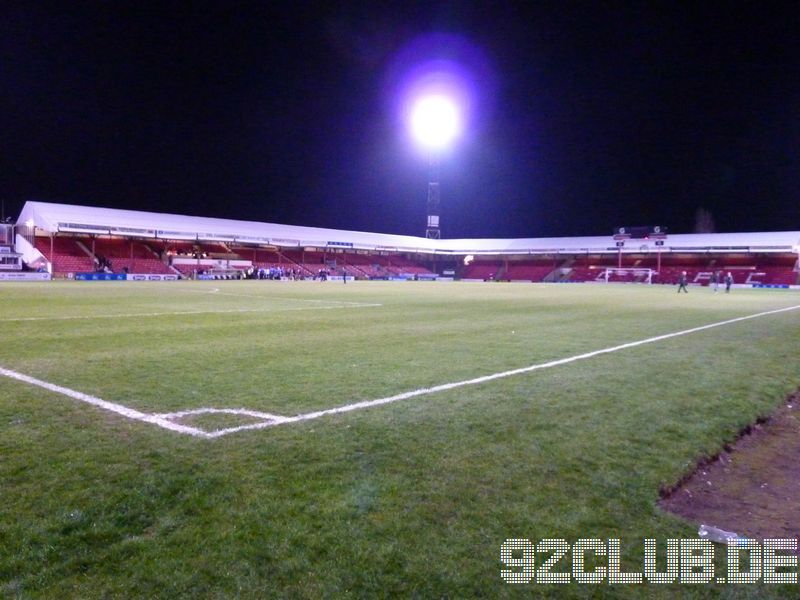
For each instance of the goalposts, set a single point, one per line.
(626, 275)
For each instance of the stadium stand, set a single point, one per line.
(68, 256)
(580, 273)
(373, 268)
(135, 256)
(309, 262)
(186, 269)
(533, 270)
(174, 248)
(747, 269)
(212, 248)
(485, 270)
(58, 235)
(361, 266)
(400, 265)
(521, 271)
(364, 266)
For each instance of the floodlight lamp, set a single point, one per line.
(29, 222)
(435, 121)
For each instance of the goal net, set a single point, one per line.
(626, 275)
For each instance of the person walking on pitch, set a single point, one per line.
(682, 283)
(715, 280)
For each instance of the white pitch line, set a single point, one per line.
(227, 411)
(478, 380)
(185, 312)
(266, 297)
(265, 417)
(129, 413)
(163, 420)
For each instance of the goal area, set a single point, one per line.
(626, 275)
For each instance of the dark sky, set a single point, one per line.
(591, 114)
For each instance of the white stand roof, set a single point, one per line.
(70, 218)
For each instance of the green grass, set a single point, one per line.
(409, 499)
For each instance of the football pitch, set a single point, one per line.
(308, 439)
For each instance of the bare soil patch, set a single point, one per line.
(753, 487)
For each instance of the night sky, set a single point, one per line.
(586, 115)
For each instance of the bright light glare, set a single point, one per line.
(435, 121)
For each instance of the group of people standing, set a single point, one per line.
(716, 279)
(274, 273)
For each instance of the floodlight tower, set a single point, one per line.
(435, 123)
(432, 231)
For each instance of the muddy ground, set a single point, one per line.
(753, 487)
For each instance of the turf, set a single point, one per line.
(409, 499)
